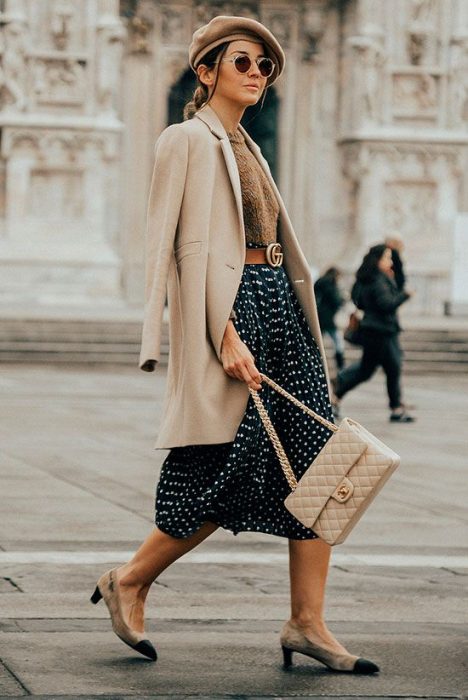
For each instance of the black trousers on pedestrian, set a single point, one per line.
(379, 350)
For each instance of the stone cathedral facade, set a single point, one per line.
(366, 133)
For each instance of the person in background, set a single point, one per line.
(395, 242)
(376, 293)
(329, 300)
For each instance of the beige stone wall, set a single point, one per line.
(372, 134)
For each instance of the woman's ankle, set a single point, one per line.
(129, 579)
(304, 621)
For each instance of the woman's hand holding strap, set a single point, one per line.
(238, 361)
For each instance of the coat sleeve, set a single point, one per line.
(400, 277)
(336, 298)
(165, 200)
(384, 299)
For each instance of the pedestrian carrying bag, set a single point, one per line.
(353, 331)
(342, 481)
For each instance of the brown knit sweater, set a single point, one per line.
(259, 203)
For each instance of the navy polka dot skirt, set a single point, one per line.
(240, 485)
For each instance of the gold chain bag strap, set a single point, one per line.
(344, 478)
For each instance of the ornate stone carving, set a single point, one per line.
(355, 161)
(60, 183)
(14, 9)
(13, 72)
(420, 32)
(59, 81)
(459, 81)
(410, 208)
(422, 12)
(312, 24)
(405, 155)
(369, 76)
(415, 94)
(110, 37)
(173, 25)
(140, 27)
(62, 19)
(411, 188)
(56, 193)
(280, 24)
(204, 11)
(59, 145)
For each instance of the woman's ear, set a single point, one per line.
(206, 75)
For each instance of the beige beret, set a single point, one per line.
(229, 28)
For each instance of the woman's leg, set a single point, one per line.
(391, 364)
(359, 371)
(338, 344)
(157, 552)
(308, 569)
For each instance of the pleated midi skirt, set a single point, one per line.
(240, 484)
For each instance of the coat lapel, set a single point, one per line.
(211, 119)
(233, 171)
(208, 115)
(295, 262)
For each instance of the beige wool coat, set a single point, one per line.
(195, 251)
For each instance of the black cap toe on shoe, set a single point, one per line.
(147, 649)
(366, 667)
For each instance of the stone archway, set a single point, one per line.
(179, 94)
(260, 122)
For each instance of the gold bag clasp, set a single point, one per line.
(343, 491)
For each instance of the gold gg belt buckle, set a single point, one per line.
(273, 255)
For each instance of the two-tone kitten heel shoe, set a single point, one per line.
(293, 639)
(108, 589)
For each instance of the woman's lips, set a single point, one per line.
(252, 87)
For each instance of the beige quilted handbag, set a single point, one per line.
(342, 480)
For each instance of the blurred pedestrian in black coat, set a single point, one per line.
(375, 292)
(329, 300)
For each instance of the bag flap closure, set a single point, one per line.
(343, 491)
(327, 475)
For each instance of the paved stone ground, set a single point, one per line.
(77, 481)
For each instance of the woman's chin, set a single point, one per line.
(249, 102)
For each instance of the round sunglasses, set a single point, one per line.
(243, 63)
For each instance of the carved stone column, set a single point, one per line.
(59, 102)
(308, 171)
(139, 106)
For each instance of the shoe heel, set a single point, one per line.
(96, 597)
(287, 657)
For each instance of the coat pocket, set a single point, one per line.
(190, 248)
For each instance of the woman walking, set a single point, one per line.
(241, 302)
(376, 293)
